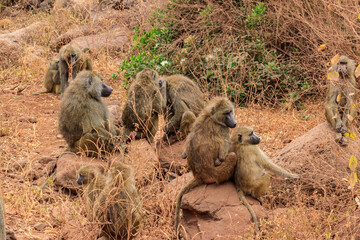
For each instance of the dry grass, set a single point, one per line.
(22, 143)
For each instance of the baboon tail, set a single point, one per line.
(248, 206)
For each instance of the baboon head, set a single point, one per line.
(244, 135)
(221, 111)
(94, 84)
(345, 67)
(71, 54)
(86, 174)
(147, 75)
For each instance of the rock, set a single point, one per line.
(170, 157)
(68, 164)
(49, 111)
(40, 226)
(28, 119)
(71, 34)
(115, 114)
(59, 136)
(214, 211)
(142, 157)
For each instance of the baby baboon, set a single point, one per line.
(209, 140)
(113, 199)
(72, 60)
(340, 100)
(184, 102)
(2, 222)
(52, 77)
(146, 100)
(249, 175)
(84, 118)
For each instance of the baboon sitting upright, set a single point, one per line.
(112, 199)
(340, 108)
(249, 175)
(84, 118)
(52, 77)
(209, 140)
(184, 102)
(73, 60)
(146, 100)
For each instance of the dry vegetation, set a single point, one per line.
(28, 123)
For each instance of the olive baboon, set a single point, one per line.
(146, 100)
(2, 222)
(209, 140)
(184, 102)
(52, 77)
(72, 60)
(340, 100)
(249, 175)
(113, 199)
(84, 118)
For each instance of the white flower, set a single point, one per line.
(165, 63)
(209, 57)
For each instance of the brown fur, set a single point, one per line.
(249, 175)
(209, 140)
(2, 222)
(72, 60)
(113, 199)
(337, 113)
(52, 77)
(146, 100)
(84, 118)
(184, 102)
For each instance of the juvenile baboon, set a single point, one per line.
(146, 100)
(2, 222)
(84, 118)
(341, 98)
(249, 175)
(113, 199)
(184, 102)
(209, 140)
(72, 60)
(52, 77)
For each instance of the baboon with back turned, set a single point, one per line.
(208, 141)
(249, 175)
(84, 118)
(146, 100)
(112, 199)
(340, 108)
(74, 60)
(184, 103)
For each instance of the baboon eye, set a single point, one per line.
(240, 138)
(227, 113)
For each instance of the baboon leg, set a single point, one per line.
(192, 184)
(224, 172)
(175, 120)
(97, 141)
(261, 186)
(248, 206)
(153, 128)
(64, 76)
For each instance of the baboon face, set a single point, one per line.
(71, 53)
(245, 135)
(85, 175)
(223, 113)
(345, 67)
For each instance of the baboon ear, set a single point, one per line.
(212, 110)
(90, 80)
(240, 138)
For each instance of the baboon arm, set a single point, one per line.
(331, 107)
(350, 108)
(266, 163)
(175, 120)
(225, 171)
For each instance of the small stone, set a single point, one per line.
(49, 111)
(40, 226)
(59, 136)
(32, 120)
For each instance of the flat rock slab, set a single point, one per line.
(170, 157)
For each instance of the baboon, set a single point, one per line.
(113, 199)
(146, 100)
(84, 118)
(209, 140)
(72, 60)
(2, 222)
(52, 77)
(249, 175)
(341, 98)
(184, 102)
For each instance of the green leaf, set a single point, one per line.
(353, 163)
(353, 180)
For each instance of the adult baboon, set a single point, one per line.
(249, 175)
(52, 77)
(184, 102)
(84, 118)
(73, 60)
(341, 98)
(113, 199)
(209, 140)
(2, 222)
(146, 100)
